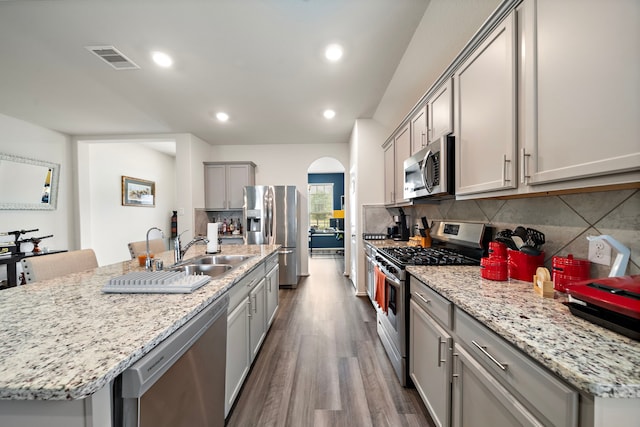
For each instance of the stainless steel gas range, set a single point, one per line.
(453, 243)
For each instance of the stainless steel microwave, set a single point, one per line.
(429, 172)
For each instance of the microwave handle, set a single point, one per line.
(422, 169)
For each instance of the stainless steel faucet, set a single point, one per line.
(148, 265)
(178, 251)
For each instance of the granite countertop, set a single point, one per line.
(64, 339)
(593, 359)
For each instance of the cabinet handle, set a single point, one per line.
(523, 166)
(423, 138)
(486, 353)
(255, 304)
(426, 301)
(453, 370)
(440, 361)
(505, 161)
(249, 312)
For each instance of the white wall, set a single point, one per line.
(285, 164)
(367, 183)
(27, 140)
(445, 29)
(113, 225)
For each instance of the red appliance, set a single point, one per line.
(569, 269)
(494, 268)
(612, 302)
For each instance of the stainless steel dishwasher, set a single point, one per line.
(181, 381)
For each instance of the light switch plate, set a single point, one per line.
(599, 252)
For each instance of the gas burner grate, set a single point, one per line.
(427, 256)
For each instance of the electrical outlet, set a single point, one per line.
(599, 252)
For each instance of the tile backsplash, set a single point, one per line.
(566, 220)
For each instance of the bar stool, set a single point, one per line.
(56, 265)
(140, 248)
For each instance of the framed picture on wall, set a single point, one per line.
(138, 192)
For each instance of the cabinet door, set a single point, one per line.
(215, 181)
(402, 152)
(581, 93)
(238, 352)
(441, 112)
(485, 114)
(419, 130)
(430, 363)
(480, 400)
(273, 288)
(257, 319)
(389, 174)
(238, 177)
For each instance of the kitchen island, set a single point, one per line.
(63, 341)
(601, 365)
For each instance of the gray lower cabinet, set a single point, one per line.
(467, 375)
(246, 330)
(430, 363)
(257, 317)
(273, 288)
(480, 400)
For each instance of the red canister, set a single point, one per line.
(568, 270)
(523, 266)
(494, 268)
(497, 250)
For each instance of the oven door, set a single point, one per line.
(391, 324)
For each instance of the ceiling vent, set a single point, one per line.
(113, 57)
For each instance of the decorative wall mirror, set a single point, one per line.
(28, 183)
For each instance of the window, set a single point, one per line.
(320, 205)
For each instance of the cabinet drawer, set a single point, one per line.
(433, 303)
(241, 290)
(271, 262)
(544, 393)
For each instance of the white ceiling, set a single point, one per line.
(261, 61)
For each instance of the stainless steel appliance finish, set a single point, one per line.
(181, 381)
(429, 172)
(271, 217)
(453, 243)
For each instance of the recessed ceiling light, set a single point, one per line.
(333, 52)
(162, 59)
(223, 117)
(329, 114)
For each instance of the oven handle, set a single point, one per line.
(395, 282)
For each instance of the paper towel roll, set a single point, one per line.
(212, 236)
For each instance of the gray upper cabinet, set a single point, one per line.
(419, 129)
(580, 93)
(224, 183)
(396, 150)
(440, 108)
(485, 114)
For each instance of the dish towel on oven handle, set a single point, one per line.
(381, 286)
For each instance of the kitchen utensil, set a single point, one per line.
(519, 241)
(534, 238)
(423, 232)
(508, 242)
(529, 250)
(425, 223)
(521, 232)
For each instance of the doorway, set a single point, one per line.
(325, 191)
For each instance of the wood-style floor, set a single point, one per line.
(322, 363)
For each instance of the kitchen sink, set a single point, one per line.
(212, 270)
(220, 259)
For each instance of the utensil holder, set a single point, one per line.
(523, 266)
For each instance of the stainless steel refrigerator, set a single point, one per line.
(271, 217)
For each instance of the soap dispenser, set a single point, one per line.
(619, 266)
